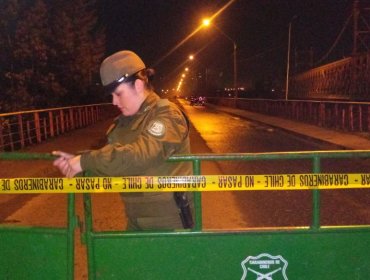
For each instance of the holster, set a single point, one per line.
(185, 210)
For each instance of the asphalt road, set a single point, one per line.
(226, 133)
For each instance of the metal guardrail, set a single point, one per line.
(21, 129)
(342, 116)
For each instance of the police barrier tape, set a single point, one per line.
(184, 183)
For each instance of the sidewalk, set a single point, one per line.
(344, 140)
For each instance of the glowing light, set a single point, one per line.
(193, 33)
(206, 22)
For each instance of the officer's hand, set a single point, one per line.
(68, 164)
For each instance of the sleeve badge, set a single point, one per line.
(156, 128)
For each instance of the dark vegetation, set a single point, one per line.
(50, 52)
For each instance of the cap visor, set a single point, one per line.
(110, 88)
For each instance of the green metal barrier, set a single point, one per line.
(313, 252)
(37, 252)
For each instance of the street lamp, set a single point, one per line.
(207, 22)
(191, 57)
(288, 59)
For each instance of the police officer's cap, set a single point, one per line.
(118, 68)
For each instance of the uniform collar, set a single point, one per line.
(149, 102)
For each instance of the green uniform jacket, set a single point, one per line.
(140, 145)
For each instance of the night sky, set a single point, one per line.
(152, 28)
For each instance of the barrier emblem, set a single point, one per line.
(264, 267)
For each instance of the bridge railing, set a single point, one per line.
(347, 78)
(20, 129)
(343, 116)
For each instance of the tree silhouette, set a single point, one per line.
(50, 53)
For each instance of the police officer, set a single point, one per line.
(147, 132)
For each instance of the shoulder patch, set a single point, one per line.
(156, 128)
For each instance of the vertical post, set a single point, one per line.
(234, 63)
(71, 119)
(29, 133)
(9, 126)
(336, 115)
(343, 119)
(20, 130)
(37, 126)
(235, 75)
(90, 114)
(62, 125)
(57, 124)
(88, 236)
(84, 119)
(288, 63)
(315, 224)
(70, 237)
(323, 114)
(368, 118)
(206, 85)
(83, 116)
(99, 112)
(66, 121)
(44, 123)
(355, 13)
(51, 124)
(86, 114)
(197, 199)
(96, 113)
(360, 118)
(79, 117)
(1, 135)
(320, 115)
(351, 119)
